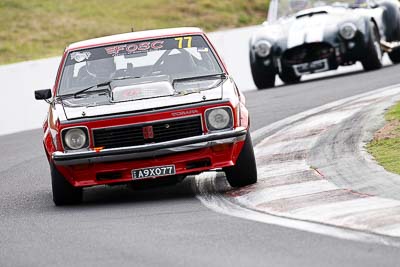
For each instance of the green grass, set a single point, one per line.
(42, 28)
(387, 151)
(393, 113)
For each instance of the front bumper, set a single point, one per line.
(149, 150)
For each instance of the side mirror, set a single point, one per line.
(43, 94)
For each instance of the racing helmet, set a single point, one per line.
(297, 5)
(101, 68)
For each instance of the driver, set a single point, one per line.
(101, 69)
(298, 5)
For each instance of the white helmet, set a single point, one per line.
(101, 68)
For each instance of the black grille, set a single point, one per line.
(133, 135)
(307, 53)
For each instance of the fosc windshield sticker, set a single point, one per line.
(134, 48)
(80, 56)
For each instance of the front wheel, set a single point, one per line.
(373, 53)
(263, 76)
(244, 172)
(288, 76)
(63, 192)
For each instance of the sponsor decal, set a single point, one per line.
(80, 56)
(134, 48)
(184, 113)
(132, 93)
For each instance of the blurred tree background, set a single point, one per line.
(42, 28)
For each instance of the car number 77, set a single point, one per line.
(180, 41)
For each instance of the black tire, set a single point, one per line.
(263, 77)
(289, 77)
(391, 20)
(245, 170)
(373, 53)
(394, 13)
(395, 56)
(63, 192)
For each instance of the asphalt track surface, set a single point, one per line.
(168, 226)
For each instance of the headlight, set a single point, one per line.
(263, 48)
(348, 31)
(75, 138)
(219, 119)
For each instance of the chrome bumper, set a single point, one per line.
(149, 150)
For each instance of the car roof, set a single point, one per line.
(132, 36)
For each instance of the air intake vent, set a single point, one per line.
(307, 53)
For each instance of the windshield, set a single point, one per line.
(170, 58)
(285, 8)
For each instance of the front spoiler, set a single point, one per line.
(149, 150)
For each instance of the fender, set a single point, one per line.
(376, 25)
(367, 33)
(48, 145)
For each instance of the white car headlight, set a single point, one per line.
(75, 138)
(263, 48)
(348, 31)
(219, 119)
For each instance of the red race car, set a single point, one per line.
(144, 106)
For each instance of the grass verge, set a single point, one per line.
(42, 28)
(386, 144)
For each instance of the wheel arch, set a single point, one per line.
(367, 28)
(372, 19)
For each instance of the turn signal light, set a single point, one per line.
(98, 149)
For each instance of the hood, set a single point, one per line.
(100, 105)
(308, 26)
(311, 26)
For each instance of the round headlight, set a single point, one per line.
(219, 119)
(348, 31)
(75, 138)
(263, 48)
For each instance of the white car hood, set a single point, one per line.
(74, 110)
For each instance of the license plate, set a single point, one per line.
(312, 67)
(153, 172)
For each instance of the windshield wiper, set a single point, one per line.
(222, 75)
(91, 87)
(107, 83)
(198, 90)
